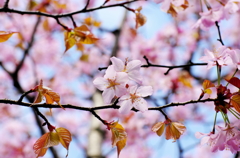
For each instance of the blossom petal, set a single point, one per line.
(110, 73)
(121, 77)
(117, 63)
(144, 91)
(101, 83)
(126, 106)
(108, 95)
(135, 76)
(133, 65)
(140, 104)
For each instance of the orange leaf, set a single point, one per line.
(69, 40)
(235, 102)
(49, 95)
(158, 128)
(50, 139)
(65, 137)
(90, 21)
(84, 35)
(140, 18)
(119, 136)
(207, 84)
(174, 130)
(39, 145)
(4, 36)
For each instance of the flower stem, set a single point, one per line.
(215, 120)
(234, 113)
(219, 73)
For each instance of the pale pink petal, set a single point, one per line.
(135, 76)
(110, 73)
(108, 95)
(132, 89)
(205, 140)
(126, 106)
(117, 63)
(133, 65)
(101, 83)
(122, 78)
(158, 1)
(140, 104)
(124, 97)
(120, 90)
(144, 91)
(199, 135)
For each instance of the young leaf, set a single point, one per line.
(234, 81)
(91, 22)
(140, 18)
(49, 95)
(119, 136)
(206, 85)
(84, 35)
(235, 102)
(69, 40)
(39, 145)
(65, 137)
(4, 36)
(52, 138)
(158, 128)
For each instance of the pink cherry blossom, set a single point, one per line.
(235, 56)
(227, 138)
(220, 56)
(230, 136)
(134, 99)
(209, 18)
(112, 84)
(132, 68)
(213, 140)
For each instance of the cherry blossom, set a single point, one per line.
(220, 56)
(112, 84)
(132, 68)
(235, 56)
(134, 99)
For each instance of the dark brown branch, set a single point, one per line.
(6, 4)
(170, 67)
(90, 109)
(24, 94)
(88, 1)
(219, 33)
(164, 66)
(59, 23)
(74, 23)
(55, 16)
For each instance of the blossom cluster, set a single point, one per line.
(222, 56)
(217, 12)
(228, 137)
(122, 81)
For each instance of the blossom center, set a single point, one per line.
(133, 97)
(112, 83)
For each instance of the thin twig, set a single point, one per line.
(219, 33)
(163, 66)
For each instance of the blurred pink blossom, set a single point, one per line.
(220, 56)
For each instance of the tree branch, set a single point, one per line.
(84, 10)
(219, 33)
(164, 66)
(91, 109)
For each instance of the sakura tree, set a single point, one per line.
(119, 78)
